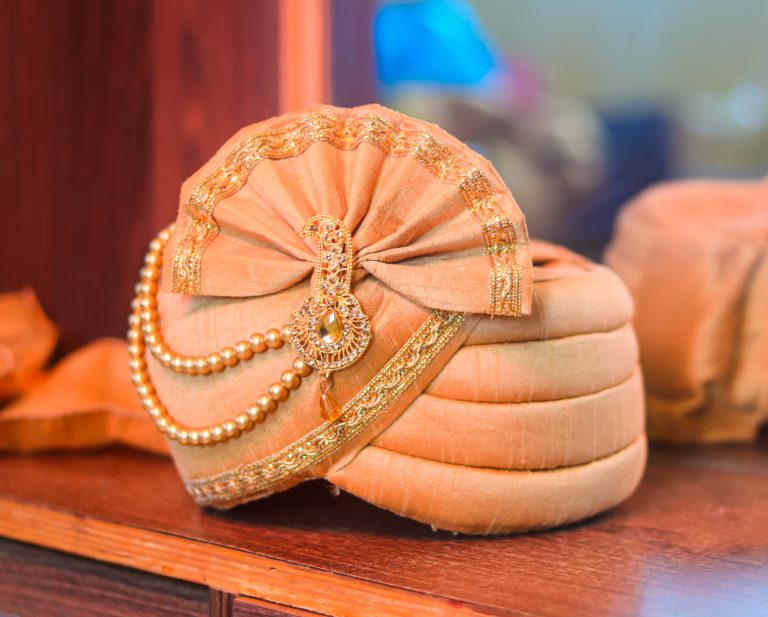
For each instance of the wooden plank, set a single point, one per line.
(248, 607)
(219, 566)
(215, 69)
(695, 535)
(76, 141)
(44, 583)
(106, 108)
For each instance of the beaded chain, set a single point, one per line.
(144, 334)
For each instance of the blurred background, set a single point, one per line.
(107, 106)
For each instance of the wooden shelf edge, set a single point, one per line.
(234, 571)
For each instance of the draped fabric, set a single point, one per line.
(695, 257)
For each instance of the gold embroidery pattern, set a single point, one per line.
(385, 387)
(347, 134)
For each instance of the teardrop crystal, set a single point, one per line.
(329, 408)
(330, 328)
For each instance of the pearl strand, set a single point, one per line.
(144, 334)
(145, 303)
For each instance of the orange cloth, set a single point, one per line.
(87, 400)
(27, 338)
(695, 257)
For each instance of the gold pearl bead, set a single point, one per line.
(150, 401)
(135, 350)
(266, 404)
(257, 342)
(290, 380)
(172, 430)
(230, 428)
(166, 358)
(201, 366)
(217, 433)
(149, 327)
(152, 339)
(215, 362)
(273, 339)
(164, 235)
(177, 364)
(136, 304)
(242, 421)
(190, 368)
(133, 335)
(153, 258)
(137, 364)
(150, 273)
(155, 412)
(277, 392)
(301, 368)
(255, 414)
(148, 287)
(155, 245)
(148, 303)
(134, 320)
(158, 349)
(194, 437)
(144, 390)
(229, 356)
(183, 436)
(148, 315)
(205, 436)
(243, 350)
(285, 333)
(138, 379)
(161, 423)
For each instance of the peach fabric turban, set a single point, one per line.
(695, 257)
(460, 396)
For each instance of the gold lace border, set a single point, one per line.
(505, 275)
(375, 398)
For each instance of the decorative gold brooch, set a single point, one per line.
(330, 331)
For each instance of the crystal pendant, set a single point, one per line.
(329, 327)
(329, 409)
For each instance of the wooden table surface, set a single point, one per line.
(692, 541)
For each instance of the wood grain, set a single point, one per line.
(41, 583)
(75, 137)
(215, 69)
(248, 607)
(106, 108)
(694, 538)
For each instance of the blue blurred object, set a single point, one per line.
(432, 41)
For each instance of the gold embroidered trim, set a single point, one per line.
(347, 134)
(385, 387)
